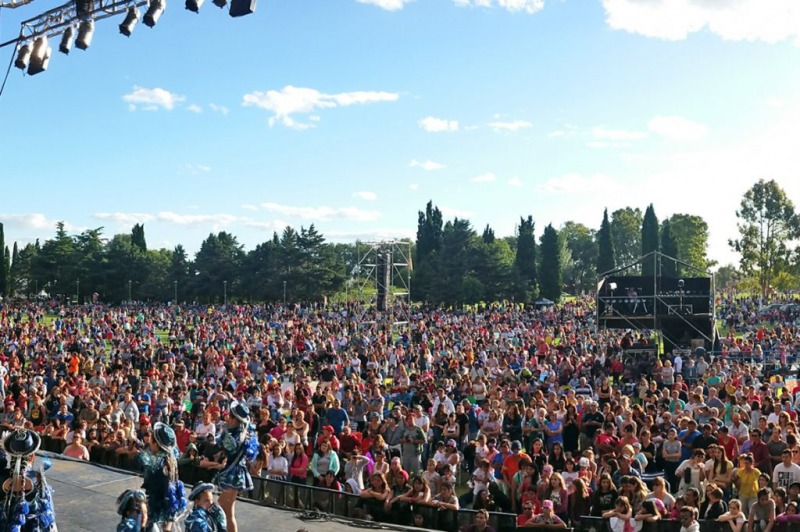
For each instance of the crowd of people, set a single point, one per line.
(494, 408)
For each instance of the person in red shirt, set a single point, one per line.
(181, 435)
(607, 442)
(761, 457)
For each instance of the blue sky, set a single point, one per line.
(352, 114)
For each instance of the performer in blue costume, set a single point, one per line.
(132, 506)
(27, 498)
(240, 445)
(206, 516)
(166, 498)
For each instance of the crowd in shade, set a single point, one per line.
(497, 408)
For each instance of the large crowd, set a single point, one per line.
(495, 408)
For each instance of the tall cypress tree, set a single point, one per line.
(3, 268)
(525, 274)
(669, 247)
(13, 271)
(605, 246)
(649, 240)
(137, 237)
(551, 277)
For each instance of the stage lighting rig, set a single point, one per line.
(126, 28)
(66, 40)
(154, 12)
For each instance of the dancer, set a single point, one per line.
(132, 506)
(27, 498)
(240, 445)
(206, 516)
(166, 499)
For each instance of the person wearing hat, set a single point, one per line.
(240, 445)
(132, 506)
(206, 516)
(28, 497)
(166, 498)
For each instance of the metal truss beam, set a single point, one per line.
(54, 21)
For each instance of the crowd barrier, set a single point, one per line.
(598, 524)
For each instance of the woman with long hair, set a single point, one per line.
(372, 501)
(556, 491)
(556, 458)
(240, 445)
(579, 501)
(165, 494)
(298, 464)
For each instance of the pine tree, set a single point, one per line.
(605, 246)
(551, 273)
(649, 240)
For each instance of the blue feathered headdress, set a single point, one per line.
(176, 497)
(251, 447)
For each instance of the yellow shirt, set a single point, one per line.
(748, 485)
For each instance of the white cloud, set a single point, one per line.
(194, 108)
(28, 221)
(451, 212)
(218, 220)
(249, 207)
(774, 102)
(509, 127)
(426, 165)
(525, 6)
(437, 125)
(298, 100)
(603, 144)
(151, 99)
(323, 212)
(370, 236)
(488, 177)
(413, 186)
(218, 108)
(388, 5)
(574, 183)
(198, 168)
(124, 218)
(365, 195)
(515, 182)
(274, 225)
(677, 128)
(736, 20)
(617, 134)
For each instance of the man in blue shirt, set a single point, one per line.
(336, 417)
(687, 437)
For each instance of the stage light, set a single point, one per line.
(240, 8)
(40, 56)
(66, 40)
(85, 34)
(154, 12)
(220, 3)
(194, 5)
(126, 28)
(23, 57)
(681, 283)
(612, 286)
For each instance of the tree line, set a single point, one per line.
(453, 263)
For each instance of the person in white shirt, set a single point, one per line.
(449, 407)
(677, 363)
(787, 472)
(277, 465)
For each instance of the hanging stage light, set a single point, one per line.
(220, 3)
(154, 12)
(240, 8)
(23, 57)
(40, 56)
(194, 5)
(126, 28)
(85, 33)
(66, 40)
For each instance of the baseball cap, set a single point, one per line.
(547, 504)
(516, 445)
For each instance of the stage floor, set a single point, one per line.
(85, 496)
